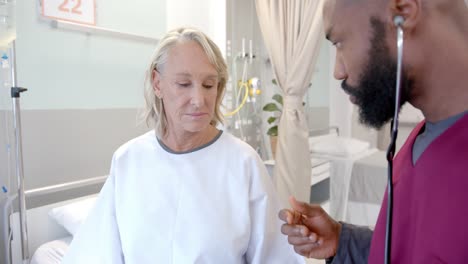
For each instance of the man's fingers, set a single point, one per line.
(305, 208)
(295, 230)
(303, 240)
(283, 215)
(305, 250)
(290, 217)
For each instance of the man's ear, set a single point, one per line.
(410, 10)
(156, 82)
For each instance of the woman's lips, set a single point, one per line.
(197, 115)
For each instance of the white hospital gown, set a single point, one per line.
(214, 205)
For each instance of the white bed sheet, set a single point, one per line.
(340, 178)
(51, 252)
(363, 214)
(367, 188)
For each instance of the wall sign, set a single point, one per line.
(77, 11)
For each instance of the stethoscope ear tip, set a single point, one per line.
(398, 21)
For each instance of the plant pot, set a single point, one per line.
(273, 142)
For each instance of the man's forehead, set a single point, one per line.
(339, 12)
(331, 9)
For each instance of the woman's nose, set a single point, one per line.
(197, 96)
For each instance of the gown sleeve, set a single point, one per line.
(98, 240)
(267, 244)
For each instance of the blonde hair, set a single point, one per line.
(154, 111)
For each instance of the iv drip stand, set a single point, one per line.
(15, 95)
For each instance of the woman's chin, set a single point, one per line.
(198, 127)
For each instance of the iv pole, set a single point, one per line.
(15, 95)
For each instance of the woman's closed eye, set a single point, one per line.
(210, 83)
(184, 84)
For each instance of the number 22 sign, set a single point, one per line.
(77, 11)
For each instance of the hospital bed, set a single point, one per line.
(366, 189)
(51, 213)
(357, 175)
(348, 177)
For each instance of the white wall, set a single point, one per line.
(318, 95)
(206, 15)
(341, 108)
(66, 69)
(141, 17)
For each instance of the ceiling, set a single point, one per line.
(7, 22)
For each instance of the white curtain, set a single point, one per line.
(292, 30)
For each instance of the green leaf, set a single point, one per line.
(271, 107)
(271, 119)
(274, 81)
(278, 98)
(273, 131)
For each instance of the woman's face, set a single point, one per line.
(188, 86)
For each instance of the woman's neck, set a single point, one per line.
(186, 141)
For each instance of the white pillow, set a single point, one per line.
(338, 146)
(72, 215)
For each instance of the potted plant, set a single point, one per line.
(276, 109)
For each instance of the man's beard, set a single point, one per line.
(375, 94)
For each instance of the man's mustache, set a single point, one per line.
(353, 91)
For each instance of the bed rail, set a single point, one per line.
(60, 192)
(40, 197)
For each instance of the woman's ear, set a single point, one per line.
(410, 10)
(156, 82)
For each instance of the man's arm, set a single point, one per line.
(314, 234)
(353, 245)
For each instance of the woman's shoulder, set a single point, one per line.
(141, 143)
(237, 145)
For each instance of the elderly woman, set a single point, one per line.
(185, 192)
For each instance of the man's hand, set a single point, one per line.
(312, 232)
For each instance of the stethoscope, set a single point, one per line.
(398, 21)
